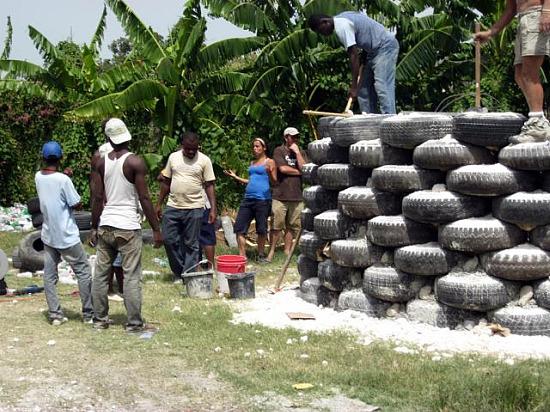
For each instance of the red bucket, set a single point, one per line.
(231, 264)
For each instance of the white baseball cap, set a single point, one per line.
(116, 130)
(291, 131)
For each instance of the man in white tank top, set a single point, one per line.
(120, 178)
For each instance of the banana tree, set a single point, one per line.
(189, 85)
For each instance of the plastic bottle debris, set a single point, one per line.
(15, 219)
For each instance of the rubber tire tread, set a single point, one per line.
(427, 259)
(433, 313)
(429, 206)
(390, 284)
(332, 225)
(398, 231)
(525, 209)
(313, 292)
(526, 156)
(409, 131)
(487, 129)
(447, 153)
(332, 276)
(474, 291)
(318, 199)
(529, 321)
(355, 253)
(341, 176)
(312, 246)
(490, 180)
(405, 178)
(542, 293)
(480, 235)
(346, 131)
(324, 151)
(522, 263)
(356, 299)
(307, 268)
(361, 202)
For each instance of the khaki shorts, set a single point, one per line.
(287, 215)
(529, 40)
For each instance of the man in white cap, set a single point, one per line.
(287, 195)
(117, 186)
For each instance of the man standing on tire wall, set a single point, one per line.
(377, 82)
(60, 234)
(121, 176)
(287, 194)
(531, 45)
(185, 174)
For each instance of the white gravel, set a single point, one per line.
(270, 310)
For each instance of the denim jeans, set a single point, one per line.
(181, 229)
(128, 242)
(378, 80)
(78, 261)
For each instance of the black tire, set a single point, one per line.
(490, 180)
(4, 267)
(147, 236)
(487, 129)
(428, 259)
(324, 151)
(526, 156)
(474, 291)
(398, 178)
(361, 202)
(307, 268)
(83, 220)
(397, 231)
(542, 293)
(366, 153)
(355, 299)
(332, 276)
(341, 176)
(306, 219)
(309, 174)
(390, 284)
(525, 209)
(355, 253)
(448, 153)
(433, 313)
(333, 225)
(545, 184)
(318, 199)
(479, 235)
(523, 263)
(431, 206)
(37, 219)
(312, 246)
(528, 321)
(31, 252)
(346, 131)
(323, 126)
(540, 236)
(313, 292)
(15, 259)
(410, 130)
(33, 206)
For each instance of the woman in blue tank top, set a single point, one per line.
(257, 199)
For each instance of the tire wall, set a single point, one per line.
(480, 250)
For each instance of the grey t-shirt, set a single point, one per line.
(354, 28)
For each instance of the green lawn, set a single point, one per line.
(202, 338)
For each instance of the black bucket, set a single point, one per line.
(241, 285)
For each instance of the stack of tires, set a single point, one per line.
(432, 216)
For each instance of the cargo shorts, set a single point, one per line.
(529, 40)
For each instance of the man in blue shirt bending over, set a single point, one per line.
(355, 30)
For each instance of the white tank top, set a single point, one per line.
(122, 207)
